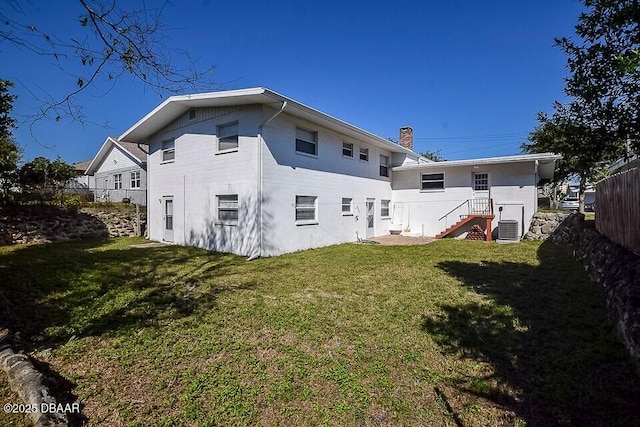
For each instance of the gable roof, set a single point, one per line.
(546, 163)
(175, 106)
(131, 150)
(82, 166)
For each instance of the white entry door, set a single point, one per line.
(481, 192)
(370, 205)
(168, 219)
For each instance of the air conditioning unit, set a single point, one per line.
(508, 230)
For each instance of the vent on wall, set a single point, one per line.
(508, 230)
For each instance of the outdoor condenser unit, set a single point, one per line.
(508, 230)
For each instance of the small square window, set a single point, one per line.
(384, 166)
(384, 208)
(364, 154)
(481, 181)
(347, 206)
(228, 208)
(306, 212)
(347, 149)
(432, 181)
(306, 142)
(228, 136)
(168, 150)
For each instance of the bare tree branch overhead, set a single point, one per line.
(114, 43)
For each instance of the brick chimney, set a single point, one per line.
(406, 137)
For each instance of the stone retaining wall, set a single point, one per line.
(544, 224)
(613, 267)
(45, 224)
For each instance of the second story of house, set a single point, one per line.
(239, 133)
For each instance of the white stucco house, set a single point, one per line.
(255, 173)
(119, 172)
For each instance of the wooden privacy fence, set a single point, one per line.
(618, 209)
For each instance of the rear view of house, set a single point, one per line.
(256, 173)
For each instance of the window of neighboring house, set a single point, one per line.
(364, 154)
(228, 208)
(168, 150)
(192, 114)
(306, 142)
(384, 166)
(228, 136)
(347, 206)
(432, 181)
(306, 212)
(135, 179)
(117, 181)
(384, 208)
(347, 149)
(480, 181)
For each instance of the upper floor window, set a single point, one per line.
(228, 208)
(347, 149)
(228, 136)
(432, 181)
(168, 150)
(306, 212)
(384, 208)
(347, 206)
(384, 166)
(192, 114)
(364, 154)
(481, 181)
(306, 142)
(117, 181)
(135, 179)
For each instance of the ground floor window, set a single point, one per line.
(347, 206)
(117, 181)
(306, 209)
(384, 209)
(135, 179)
(228, 208)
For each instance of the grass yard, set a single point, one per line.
(450, 333)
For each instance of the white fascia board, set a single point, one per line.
(99, 157)
(484, 161)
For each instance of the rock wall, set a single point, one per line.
(544, 224)
(45, 224)
(613, 267)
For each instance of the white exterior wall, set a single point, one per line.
(512, 187)
(102, 181)
(198, 174)
(330, 176)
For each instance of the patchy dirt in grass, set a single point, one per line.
(397, 240)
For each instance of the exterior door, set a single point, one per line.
(168, 219)
(481, 193)
(370, 205)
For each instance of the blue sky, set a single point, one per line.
(468, 76)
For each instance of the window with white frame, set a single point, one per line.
(135, 179)
(480, 181)
(432, 181)
(306, 142)
(168, 150)
(228, 136)
(117, 181)
(228, 208)
(384, 208)
(364, 154)
(384, 165)
(306, 210)
(347, 149)
(347, 206)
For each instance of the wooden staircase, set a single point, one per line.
(465, 219)
(475, 208)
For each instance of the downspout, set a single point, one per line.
(260, 180)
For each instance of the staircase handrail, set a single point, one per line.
(454, 209)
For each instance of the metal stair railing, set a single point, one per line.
(480, 206)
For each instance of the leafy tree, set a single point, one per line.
(605, 69)
(436, 156)
(9, 151)
(115, 42)
(45, 177)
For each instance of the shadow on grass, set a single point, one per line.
(543, 329)
(52, 293)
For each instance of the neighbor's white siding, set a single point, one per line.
(512, 187)
(330, 176)
(119, 162)
(199, 173)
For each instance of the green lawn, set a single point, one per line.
(450, 333)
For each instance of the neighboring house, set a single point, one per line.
(118, 172)
(81, 183)
(625, 164)
(255, 173)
